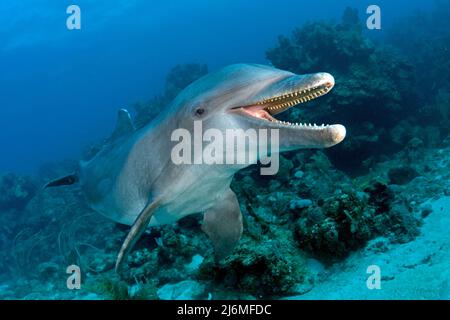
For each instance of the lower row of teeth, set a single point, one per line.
(306, 125)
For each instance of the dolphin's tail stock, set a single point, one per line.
(64, 181)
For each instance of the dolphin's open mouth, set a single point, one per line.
(287, 93)
(267, 108)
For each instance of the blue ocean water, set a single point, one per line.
(356, 205)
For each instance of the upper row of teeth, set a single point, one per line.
(316, 93)
(292, 103)
(306, 125)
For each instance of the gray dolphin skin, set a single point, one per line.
(134, 181)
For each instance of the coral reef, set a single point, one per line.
(264, 268)
(339, 226)
(425, 45)
(16, 191)
(373, 85)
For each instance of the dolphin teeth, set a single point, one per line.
(290, 99)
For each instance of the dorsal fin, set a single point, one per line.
(124, 125)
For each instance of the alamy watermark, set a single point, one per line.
(374, 20)
(232, 147)
(374, 280)
(73, 21)
(74, 280)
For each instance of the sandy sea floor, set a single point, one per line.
(416, 270)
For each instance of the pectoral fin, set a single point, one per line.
(136, 231)
(64, 181)
(223, 224)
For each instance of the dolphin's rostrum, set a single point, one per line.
(133, 180)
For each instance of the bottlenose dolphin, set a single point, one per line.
(134, 181)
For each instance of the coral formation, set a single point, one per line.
(263, 268)
(340, 225)
(373, 85)
(15, 191)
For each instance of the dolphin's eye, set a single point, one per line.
(199, 112)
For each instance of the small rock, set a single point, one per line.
(298, 204)
(299, 174)
(302, 288)
(134, 289)
(184, 290)
(195, 263)
(387, 278)
(426, 211)
(91, 296)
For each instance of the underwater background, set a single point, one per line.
(381, 198)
